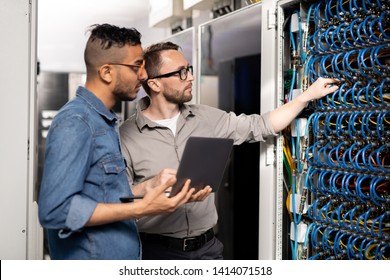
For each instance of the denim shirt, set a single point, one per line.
(84, 166)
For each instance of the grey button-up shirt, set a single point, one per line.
(149, 147)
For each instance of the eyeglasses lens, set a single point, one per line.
(184, 72)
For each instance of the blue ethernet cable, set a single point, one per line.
(350, 129)
(361, 63)
(344, 99)
(351, 126)
(340, 10)
(363, 153)
(357, 89)
(381, 94)
(379, 154)
(381, 222)
(382, 20)
(335, 68)
(340, 132)
(346, 185)
(372, 99)
(349, 213)
(353, 245)
(354, 27)
(346, 63)
(375, 61)
(382, 251)
(314, 238)
(339, 31)
(327, 12)
(373, 36)
(368, 98)
(367, 246)
(317, 18)
(326, 239)
(364, 6)
(337, 94)
(372, 228)
(359, 192)
(309, 228)
(338, 241)
(366, 215)
(338, 153)
(377, 199)
(380, 129)
(353, 7)
(336, 211)
(347, 153)
(336, 184)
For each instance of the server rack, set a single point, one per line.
(336, 158)
(229, 62)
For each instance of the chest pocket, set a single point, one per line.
(114, 164)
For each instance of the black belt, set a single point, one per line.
(183, 244)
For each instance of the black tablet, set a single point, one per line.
(203, 161)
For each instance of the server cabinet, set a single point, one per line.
(229, 78)
(331, 189)
(21, 235)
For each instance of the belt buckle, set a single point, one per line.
(185, 245)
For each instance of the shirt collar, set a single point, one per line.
(96, 103)
(144, 103)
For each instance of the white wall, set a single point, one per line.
(62, 27)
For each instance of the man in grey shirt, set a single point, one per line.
(155, 136)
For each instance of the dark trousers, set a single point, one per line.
(152, 250)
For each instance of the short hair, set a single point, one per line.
(105, 42)
(153, 60)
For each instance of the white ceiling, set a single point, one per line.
(94, 10)
(62, 27)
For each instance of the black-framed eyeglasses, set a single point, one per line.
(183, 73)
(136, 68)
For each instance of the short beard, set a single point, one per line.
(178, 100)
(122, 95)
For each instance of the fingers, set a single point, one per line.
(185, 194)
(329, 83)
(329, 80)
(163, 176)
(329, 88)
(202, 194)
(205, 192)
(166, 186)
(322, 87)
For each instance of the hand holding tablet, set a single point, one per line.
(204, 161)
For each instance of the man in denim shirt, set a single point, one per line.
(84, 171)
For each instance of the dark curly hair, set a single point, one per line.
(105, 42)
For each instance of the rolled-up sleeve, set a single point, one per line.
(62, 204)
(80, 211)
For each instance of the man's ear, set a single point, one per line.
(105, 73)
(154, 85)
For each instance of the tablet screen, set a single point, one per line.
(204, 161)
